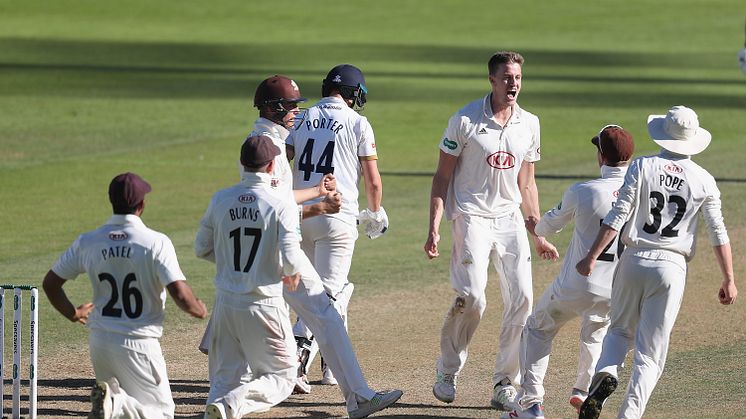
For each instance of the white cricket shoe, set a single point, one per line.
(444, 388)
(101, 403)
(327, 376)
(215, 411)
(301, 385)
(380, 401)
(504, 397)
(535, 411)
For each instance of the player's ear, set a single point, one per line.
(140, 208)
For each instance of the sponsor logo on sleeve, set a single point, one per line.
(615, 194)
(501, 160)
(247, 198)
(450, 144)
(482, 131)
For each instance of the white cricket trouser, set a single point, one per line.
(476, 242)
(556, 307)
(645, 300)
(252, 359)
(138, 365)
(311, 303)
(329, 244)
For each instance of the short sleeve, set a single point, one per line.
(167, 264)
(204, 243)
(366, 147)
(534, 153)
(70, 264)
(452, 142)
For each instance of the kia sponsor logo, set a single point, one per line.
(672, 168)
(501, 160)
(246, 198)
(615, 194)
(117, 236)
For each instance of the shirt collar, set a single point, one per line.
(487, 110)
(251, 178)
(673, 156)
(122, 219)
(277, 130)
(334, 99)
(612, 172)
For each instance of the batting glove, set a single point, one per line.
(376, 223)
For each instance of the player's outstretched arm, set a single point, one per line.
(53, 289)
(327, 184)
(728, 292)
(531, 213)
(184, 298)
(331, 204)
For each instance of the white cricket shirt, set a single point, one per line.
(246, 229)
(129, 266)
(661, 196)
(587, 203)
(485, 180)
(332, 138)
(282, 174)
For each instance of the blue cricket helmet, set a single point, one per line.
(349, 81)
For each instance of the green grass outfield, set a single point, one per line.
(90, 89)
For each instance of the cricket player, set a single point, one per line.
(484, 179)
(659, 202)
(572, 295)
(277, 99)
(256, 376)
(333, 138)
(130, 267)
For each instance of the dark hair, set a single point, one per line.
(503, 57)
(124, 210)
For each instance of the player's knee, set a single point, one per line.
(468, 304)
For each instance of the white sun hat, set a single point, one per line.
(679, 132)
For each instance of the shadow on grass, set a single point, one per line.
(50, 67)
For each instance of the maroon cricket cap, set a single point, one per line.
(277, 89)
(257, 151)
(127, 191)
(615, 143)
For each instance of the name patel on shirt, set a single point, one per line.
(323, 123)
(116, 252)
